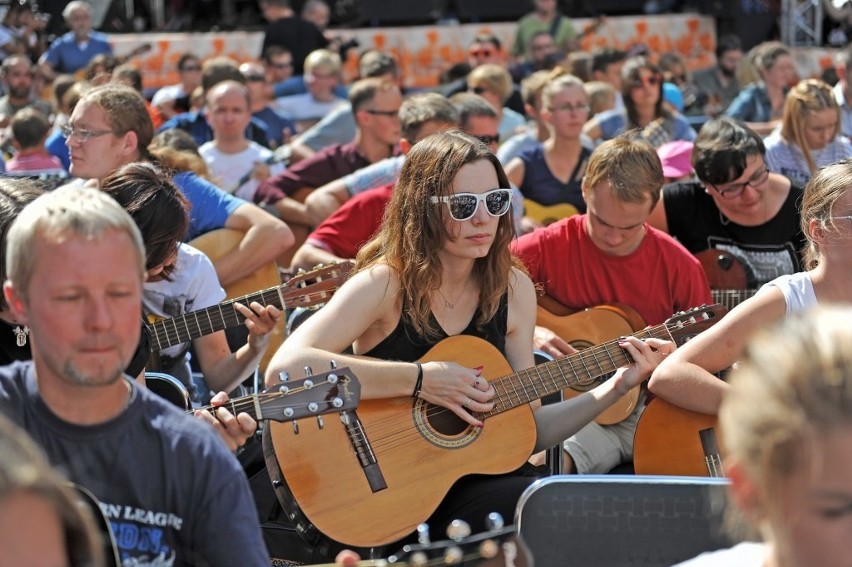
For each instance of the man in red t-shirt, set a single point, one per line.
(610, 255)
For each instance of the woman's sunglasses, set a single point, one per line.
(463, 205)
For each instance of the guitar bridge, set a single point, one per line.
(364, 451)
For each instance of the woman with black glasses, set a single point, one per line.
(644, 109)
(440, 271)
(746, 216)
(686, 378)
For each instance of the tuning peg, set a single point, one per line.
(283, 376)
(331, 378)
(320, 422)
(337, 402)
(458, 530)
(423, 534)
(333, 364)
(308, 371)
(313, 407)
(453, 555)
(494, 521)
(295, 427)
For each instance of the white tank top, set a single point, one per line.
(798, 291)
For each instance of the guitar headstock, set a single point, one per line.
(686, 324)
(498, 547)
(315, 287)
(337, 390)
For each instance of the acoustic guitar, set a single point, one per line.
(370, 479)
(583, 329)
(548, 214)
(727, 276)
(670, 440)
(495, 548)
(305, 289)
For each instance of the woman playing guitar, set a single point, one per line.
(440, 266)
(686, 378)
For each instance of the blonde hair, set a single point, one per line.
(557, 85)
(492, 78)
(821, 193)
(601, 96)
(630, 165)
(793, 386)
(803, 100)
(323, 60)
(414, 231)
(83, 212)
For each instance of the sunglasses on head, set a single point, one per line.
(463, 206)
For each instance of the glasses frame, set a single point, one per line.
(388, 113)
(571, 108)
(83, 136)
(734, 192)
(488, 140)
(480, 198)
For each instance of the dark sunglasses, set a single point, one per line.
(488, 140)
(651, 81)
(463, 206)
(255, 78)
(191, 68)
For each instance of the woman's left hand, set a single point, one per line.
(260, 320)
(646, 355)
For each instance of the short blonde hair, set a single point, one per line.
(69, 210)
(493, 78)
(324, 61)
(630, 165)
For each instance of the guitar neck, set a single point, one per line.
(730, 298)
(577, 370)
(182, 329)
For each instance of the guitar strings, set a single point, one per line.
(385, 435)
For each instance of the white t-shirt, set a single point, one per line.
(303, 107)
(228, 170)
(798, 291)
(194, 285)
(747, 554)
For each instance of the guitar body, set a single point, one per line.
(421, 450)
(216, 244)
(727, 276)
(668, 442)
(548, 214)
(583, 329)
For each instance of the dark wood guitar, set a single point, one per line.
(305, 289)
(370, 479)
(727, 276)
(670, 440)
(586, 328)
(495, 548)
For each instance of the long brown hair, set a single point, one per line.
(413, 229)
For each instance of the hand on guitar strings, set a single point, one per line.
(646, 354)
(234, 430)
(260, 321)
(549, 342)
(461, 390)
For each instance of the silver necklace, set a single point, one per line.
(452, 304)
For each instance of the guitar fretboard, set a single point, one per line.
(579, 370)
(182, 329)
(730, 298)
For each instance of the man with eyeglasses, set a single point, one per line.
(610, 255)
(279, 128)
(746, 215)
(375, 105)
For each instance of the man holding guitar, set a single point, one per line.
(170, 489)
(437, 285)
(610, 255)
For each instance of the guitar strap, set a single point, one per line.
(554, 26)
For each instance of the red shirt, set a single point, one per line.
(657, 279)
(353, 224)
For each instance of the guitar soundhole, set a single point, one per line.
(442, 427)
(446, 422)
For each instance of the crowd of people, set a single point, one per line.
(535, 174)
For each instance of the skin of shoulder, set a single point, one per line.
(686, 377)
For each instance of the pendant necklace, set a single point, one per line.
(452, 304)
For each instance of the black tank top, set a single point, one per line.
(404, 345)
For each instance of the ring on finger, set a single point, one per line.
(467, 403)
